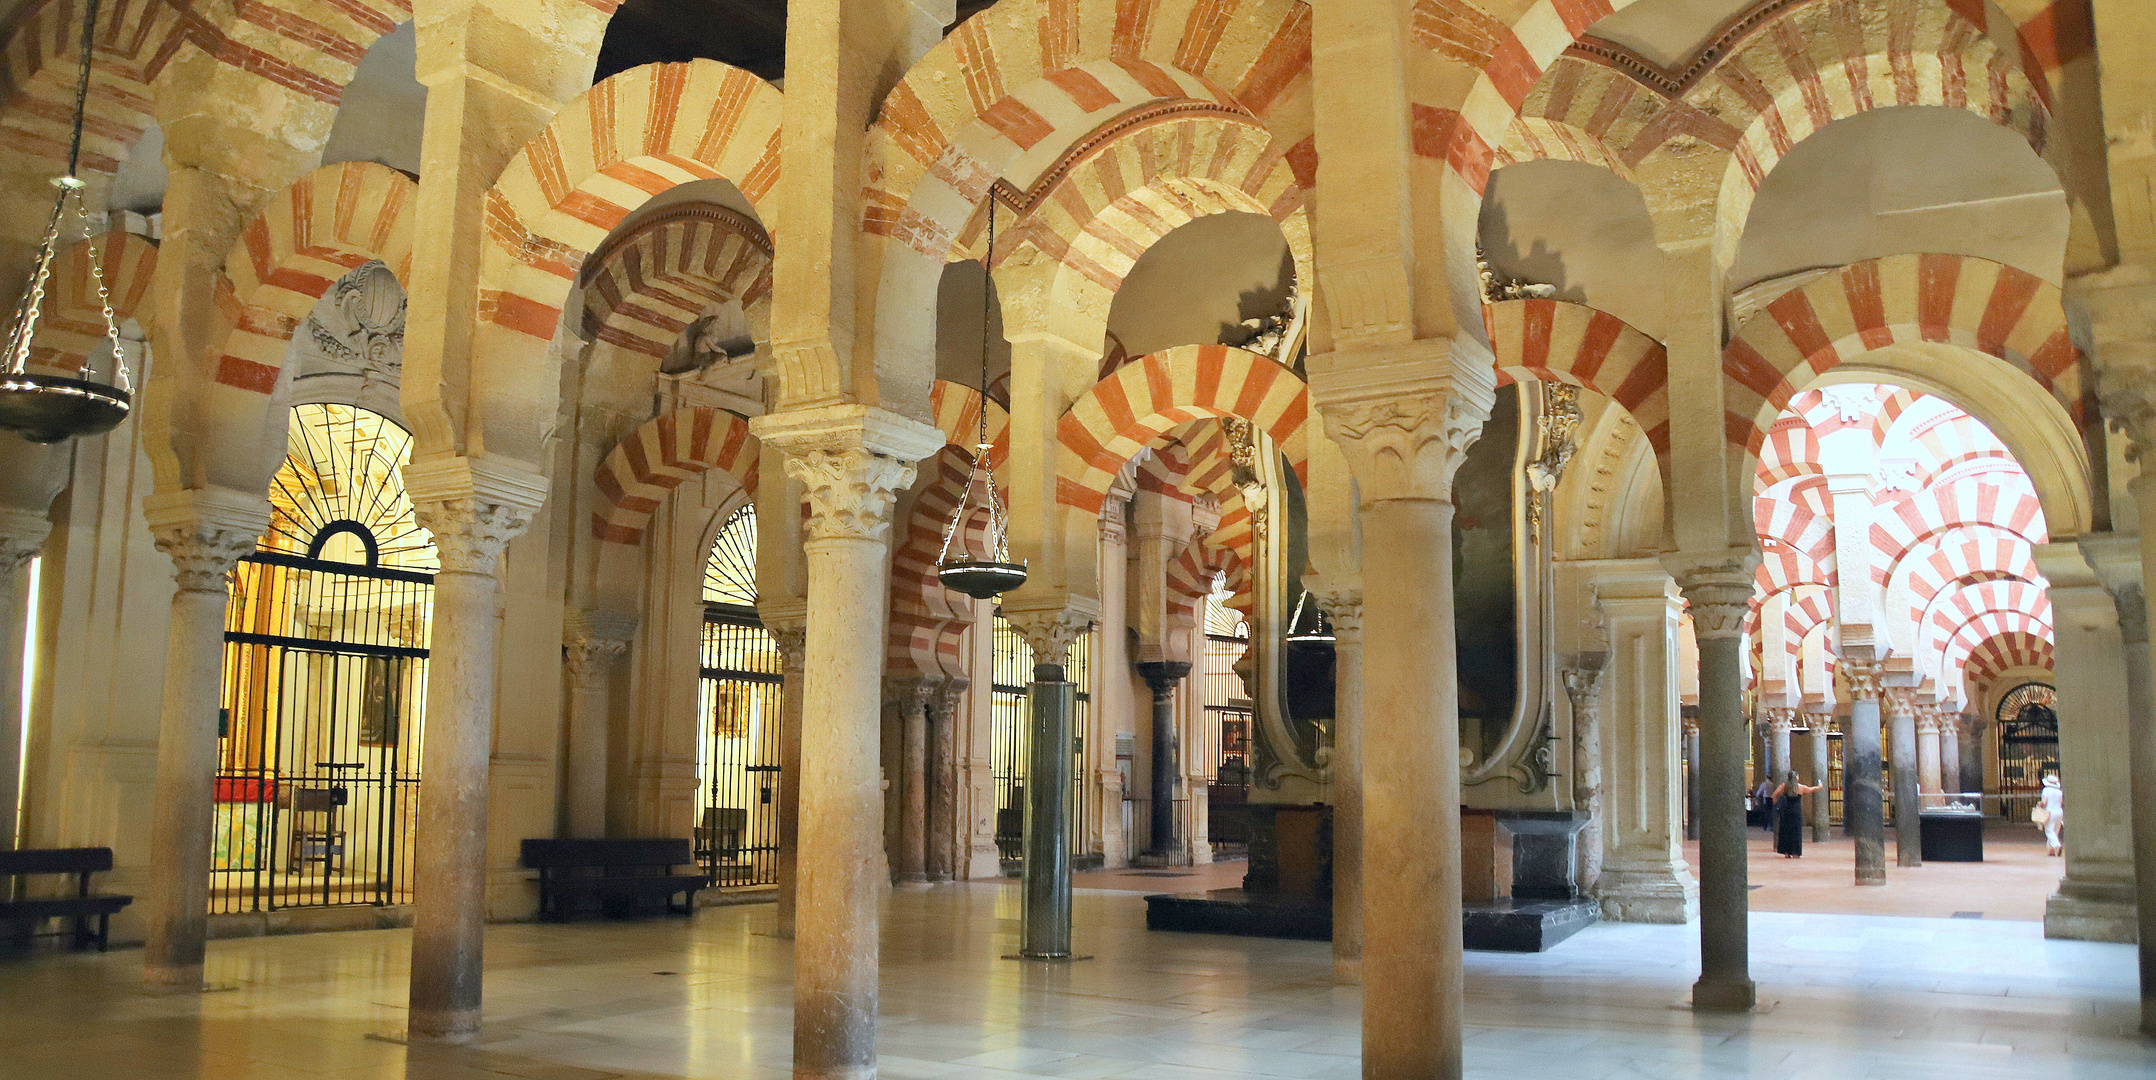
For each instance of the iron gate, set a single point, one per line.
(2027, 728)
(317, 788)
(737, 833)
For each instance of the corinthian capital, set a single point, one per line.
(1583, 679)
(1343, 607)
(1404, 416)
(474, 506)
(1049, 633)
(22, 537)
(591, 641)
(1862, 674)
(851, 460)
(1717, 587)
(205, 531)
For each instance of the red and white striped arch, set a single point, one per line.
(928, 621)
(628, 138)
(2005, 651)
(1964, 615)
(955, 408)
(1837, 318)
(1153, 394)
(1565, 342)
(1916, 580)
(636, 476)
(1798, 528)
(327, 224)
(646, 286)
(1970, 504)
(74, 323)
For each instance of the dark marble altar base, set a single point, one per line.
(1502, 926)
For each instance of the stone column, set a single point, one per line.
(1717, 589)
(1162, 677)
(2099, 664)
(1863, 785)
(1822, 810)
(1780, 724)
(1404, 416)
(590, 644)
(1928, 774)
(1949, 727)
(1344, 608)
(1972, 752)
(2141, 748)
(1900, 705)
(791, 636)
(1645, 877)
(851, 461)
(1045, 931)
(473, 508)
(1583, 681)
(943, 781)
(912, 863)
(205, 532)
(1690, 720)
(22, 536)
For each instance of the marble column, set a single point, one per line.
(1972, 752)
(590, 644)
(1344, 608)
(1645, 875)
(1781, 723)
(205, 532)
(1404, 417)
(1949, 726)
(943, 823)
(791, 637)
(1690, 722)
(22, 537)
(1822, 808)
(851, 460)
(1045, 923)
(473, 510)
(1717, 588)
(1863, 785)
(1928, 770)
(1583, 682)
(1162, 677)
(2099, 664)
(911, 866)
(1899, 704)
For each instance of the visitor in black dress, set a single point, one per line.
(1789, 816)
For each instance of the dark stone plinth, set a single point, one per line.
(1234, 911)
(1545, 849)
(1948, 836)
(1525, 925)
(1500, 926)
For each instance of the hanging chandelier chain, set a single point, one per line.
(104, 300)
(981, 476)
(27, 312)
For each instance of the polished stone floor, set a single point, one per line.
(1852, 997)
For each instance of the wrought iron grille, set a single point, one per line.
(2026, 740)
(325, 670)
(1011, 735)
(742, 691)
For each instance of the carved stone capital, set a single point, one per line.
(1862, 675)
(1162, 676)
(1404, 416)
(1928, 721)
(1049, 633)
(591, 642)
(792, 642)
(851, 461)
(1717, 588)
(1583, 680)
(1343, 608)
(206, 531)
(1897, 700)
(22, 537)
(474, 506)
(1780, 720)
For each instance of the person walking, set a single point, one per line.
(1789, 815)
(2050, 814)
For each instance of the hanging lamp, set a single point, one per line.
(50, 408)
(993, 573)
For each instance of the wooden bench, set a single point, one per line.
(81, 907)
(618, 874)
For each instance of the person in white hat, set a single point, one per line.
(2050, 813)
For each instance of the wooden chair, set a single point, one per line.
(315, 837)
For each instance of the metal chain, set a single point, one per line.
(104, 303)
(26, 317)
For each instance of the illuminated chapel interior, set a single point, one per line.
(1407, 539)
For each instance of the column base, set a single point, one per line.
(1665, 894)
(173, 976)
(1157, 859)
(1724, 995)
(2082, 911)
(451, 1026)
